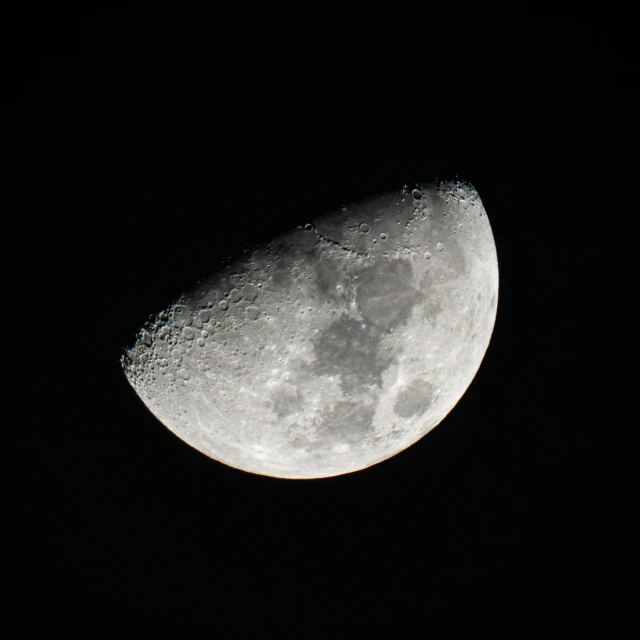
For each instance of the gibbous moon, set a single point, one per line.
(333, 347)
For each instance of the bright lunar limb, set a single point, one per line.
(333, 347)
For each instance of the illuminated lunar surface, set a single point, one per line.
(333, 347)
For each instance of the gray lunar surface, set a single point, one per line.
(332, 347)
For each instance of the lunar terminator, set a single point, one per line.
(333, 347)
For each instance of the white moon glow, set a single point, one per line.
(333, 347)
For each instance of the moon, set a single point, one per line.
(334, 346)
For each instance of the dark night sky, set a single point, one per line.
(142, 176)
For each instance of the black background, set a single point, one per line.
(142, 173)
